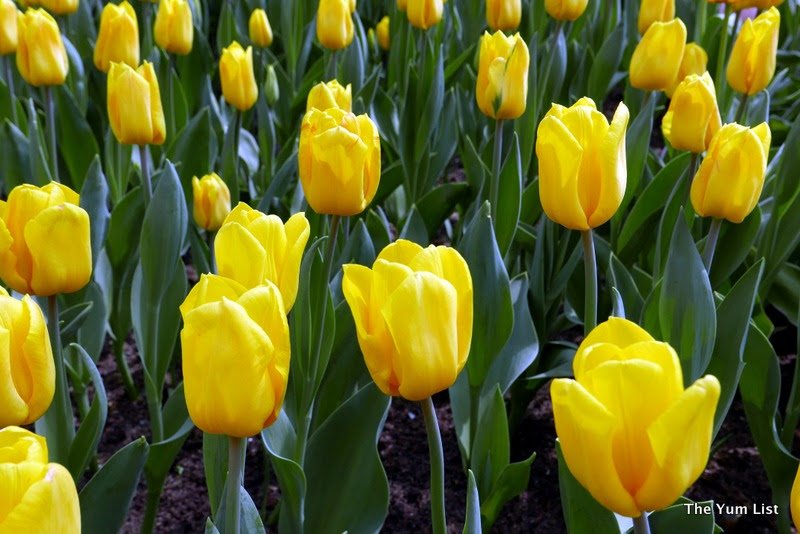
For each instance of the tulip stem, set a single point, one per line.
(590, 280)
(723, 52)
(711, 243)
(58, 419)
(496, 160)
(51, 130)
(10, 84)
(212, 260)
(234, 482)
(438, 518)
(147, 186)
(742, 108)
(700, 20)
(123, 368)
(641, 525)
(171, 90)
(237, 125)
(332, 67)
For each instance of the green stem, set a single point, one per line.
(147, 37)
(711, 243)
(496, 160)
(212, 259)
(641, 525)
(10, 84)
(700, 20)
(792, 408)
(147, 186)
(124, 369)
(171, 92)
(723, 53)
(265, 501)
(237, 124)
(234, 482)
(590, 281)
(51, 130)
(474, 415)
(151, 508)
(332, 67)
(438, 518)
(742, 108)
(59, 417)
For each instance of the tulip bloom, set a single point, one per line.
(238, 80)
(651, 11)
(41, 56)
(630, 433)
(752, 62)
(173, 29)
(253, 249)
(402, 5)
(424, 13)
(693, 116)
(328, 95)
(382, 31)
(582, 173)
(334, 24)
(503, 14)
(60, 7)
(694, 61)
(37, 496)
(565, 9)
(502, 83)
(236, 351)
(738, 5)
(339, 161)
(212, 201)
(657, 57)
(8, 27)
(731, 177)
(413, 314)
(134, 105)
(118, 37)
(260, 30)
(44, 240)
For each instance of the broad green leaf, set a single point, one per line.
(734, 245)
(509, 198)
(624, 283)
(280, 441)
(84, 446)
(513, 480)
(415, 229)
(439, 203)
(76, 141)
(472, 519)
(490, 447)
(606, 64)
(215, 468)
(94, 199)
(677, 518)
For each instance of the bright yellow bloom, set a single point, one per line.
(339, 161)
(629, 431)
(173, 29)
(8, 27)
(212, 201)
(651, 11)
(738, 5)
(731, 177)
(330, 95)
(382, 31)
(334, 24)
(253, 248)
(424, 13)
(236, 351)
(118, 37)
(582, 173)
(60, 7)
(503, 14)
(694, 61)
(657, 58)
(752, 62)
(134, 105)
(794, 500)
(413, 315)
(260, 29)
(565, 9)
(238, 79)
(502, 83)
(44, 240)
(693, 116)
(41, 56)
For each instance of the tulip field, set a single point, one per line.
(325, 266)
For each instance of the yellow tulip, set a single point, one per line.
(582, 173)
(260, 30)
(8, 27)
(752, 62)
(565, 9)
(651, 11)
(738, 5)
(238, 79)
(693, 116)
(731, 177)
(502, 83)
(212, 201)
(794, 501)
(657, 58)
(334, 24)
(253, 248)
(44, 240)
(503, 14)
(60, 7)
(236, 350)
(630, 433)
(118, 37)
(694, 61)
(339, 161)
(424, 13)
(382, 31)
(328, 95)
(41, 56)
(413, 314)
(402, 5)
(173, 29)
(134, 105)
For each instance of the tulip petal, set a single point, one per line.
(297, 233)
(239, 255)
(614, 171)
(14, 411)
(8, 261)
(211, 288)
(35, 356)
(615, 331)
(50, 504)
(401, 251)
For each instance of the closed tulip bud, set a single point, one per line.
(253, 249)
(651, 11)
(503, 14)
(795, 500)
(212, 201)
(41, 56)
(413, 315)
(502, 84)
(629, 431)
(693, 116)
(260, 30)
(271, 89)
(731, 177)
(339, 161)
(328, 95)
(236, 350)
(565, 9)
(60, 7)
(334, 24)
(44, 240)
(582, 173)
(752, 62)
(173, 29)
(134, 105)
(424, 13)
(657, 57)
(8, 27)
(37, 496)
(694, 61)
(238, 79)
(382, 31)
(118, 37)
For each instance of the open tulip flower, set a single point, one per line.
(332, 94)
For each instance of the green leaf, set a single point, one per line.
(472, 519)
(14, 156)
(735, 243)
(229, 159)
(249, 518)
(195, 147)
(509, 198)
(513, 480)
(215, 467)
(94, 199)
(415, 228)
(439, 203)
(606, 64)
(76, 141)
(84, 446)
(490, 447)
(623, 282)
(581, 512)
(40, 170)
(279, 439)
(123, 237)
(678, 519)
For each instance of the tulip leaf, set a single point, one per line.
(625, 285)
(249, 519)
(734, 246)
(581, 512)
(195, 147)
(513, 480)
(472, 519)
(210, 528)
(91, 334)
(509, 198)
(490, 447)
(606, 63)
(526, 125)
(215, 468)
(94, 199)
(14, 156)
(40, 169)
(76, 141)
(84, 446)
(430, 91)
(71, 318)
(415, 229)
(279, 439)
(122, 241)
(785, 293)
(677, 518)
(439, 203)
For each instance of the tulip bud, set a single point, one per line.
(37, 496)
(582, 172)
(238, 79)
(41, 56)
(271, 89)
(752, 62)
(212, 201)
(236, 350)
(651, 11)
(424, 13)
(694, 61)
(334, 24)
(565, 9)
(330, 95)
(339, 161)
(44, 240)
(118, 37)
(657, 57)
(503, 14)
(134, 105)
(731, 177)
(173, 29)
(382, 31)
(8, 27)
(60, 7)
(502, 84)
(649, 437)
(413, 315)
(693, 116)
(260, 30)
